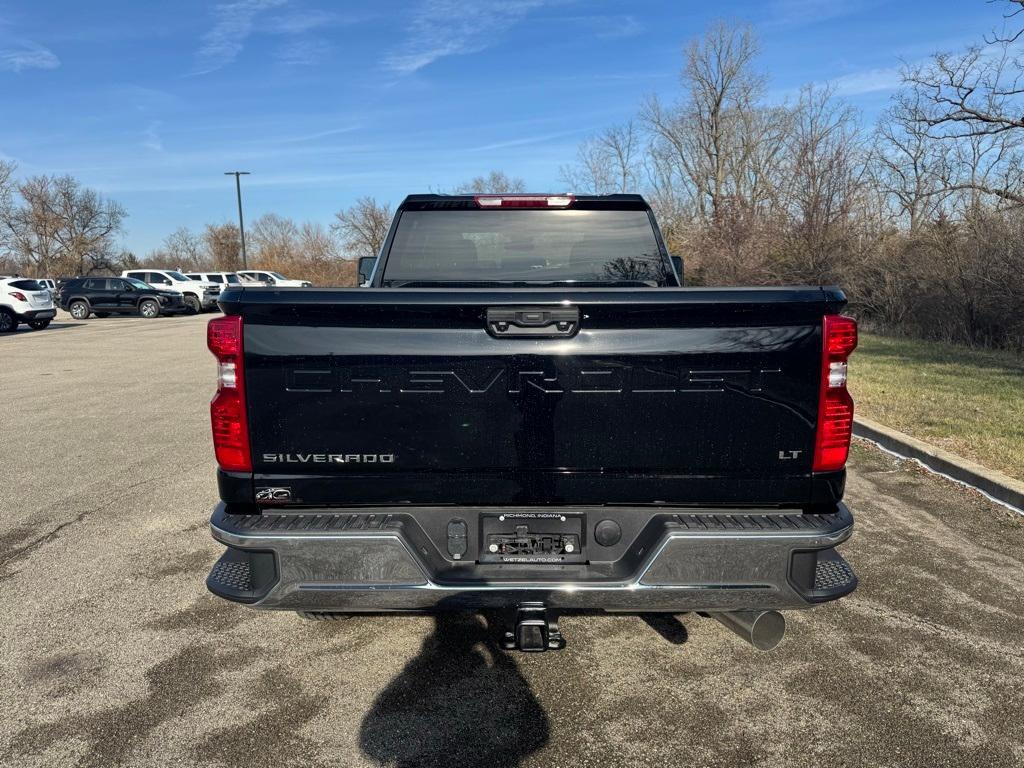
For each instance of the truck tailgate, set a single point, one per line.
(391, 396)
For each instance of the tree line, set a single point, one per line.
(920, 217)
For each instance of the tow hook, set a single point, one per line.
(535, 630)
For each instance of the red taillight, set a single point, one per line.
(524, 201)
(227, 410)
(224, 336)
(835, 406)
(840, 335)
(18, 295)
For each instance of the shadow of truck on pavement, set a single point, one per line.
(461, 701)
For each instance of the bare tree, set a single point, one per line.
(316, 243)
(970, 93)
(907, 166)
(824, 177)
(7, 170)
(1010, 33)
(661, 178)
(223, 246)
(758, 165)
(591, 172)
(973, 103)
(494, 182)
(362, 227)
(58, 225)
(707, 132)
(607, 163)
(31, 226)
(319, 258)
(89, 226)
(274, 240)
(184, 249)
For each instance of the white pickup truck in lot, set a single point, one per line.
(198, 295)
(275, 279)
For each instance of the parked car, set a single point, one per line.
(275, 279)
(220, 278)
(526, 411)
(23, 300)
(50, 285)
(197, 294)
(105, 296)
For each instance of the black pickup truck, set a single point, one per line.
(525, 414)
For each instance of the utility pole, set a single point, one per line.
(241, 226)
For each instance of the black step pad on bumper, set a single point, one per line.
(243, 576)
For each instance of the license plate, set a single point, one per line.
(537, 538)
(40, 298)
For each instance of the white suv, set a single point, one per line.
(23, 300)
(275, 279)
(197, 294)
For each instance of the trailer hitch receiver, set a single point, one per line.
(535, 630)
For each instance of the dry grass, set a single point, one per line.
(967, 401)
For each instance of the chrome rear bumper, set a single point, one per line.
(380, 559)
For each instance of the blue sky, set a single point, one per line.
(327, 101)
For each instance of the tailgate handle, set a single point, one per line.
(533, 322)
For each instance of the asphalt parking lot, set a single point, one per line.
(115, 654)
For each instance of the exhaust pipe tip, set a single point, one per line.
(762, 629)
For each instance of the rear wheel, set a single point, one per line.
(149, 308)
(38, 325)
(79, 310)
(7, 321)
(194, 307)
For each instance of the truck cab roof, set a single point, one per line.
(622, 201)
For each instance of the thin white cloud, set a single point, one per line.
(441, 28)
(318, 135)
(302, 21)
(613, 27)
(868, 81)
(198, 183)
(235, 21)
(26, 54)
(526, 140)
(151, 137)
(303, 52)
(795, 13)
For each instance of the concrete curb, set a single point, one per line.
(1000, 487)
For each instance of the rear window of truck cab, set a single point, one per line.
(526, 246)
